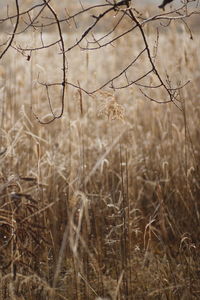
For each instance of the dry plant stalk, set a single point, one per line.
(44, 16)
(91, 209)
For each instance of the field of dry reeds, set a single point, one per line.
(104, 202)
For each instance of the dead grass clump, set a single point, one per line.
(93, 207)
(110, 107)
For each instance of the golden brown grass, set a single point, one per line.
(104, 201)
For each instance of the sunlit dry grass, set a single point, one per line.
(105, 200)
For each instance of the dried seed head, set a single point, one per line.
(110, 107)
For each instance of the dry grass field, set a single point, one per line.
(104, 202)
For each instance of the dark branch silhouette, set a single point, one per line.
(43, 17)
(165, 2)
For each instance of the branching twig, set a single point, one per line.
(100, 13)
(14, 31)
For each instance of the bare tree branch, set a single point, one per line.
(14, 31)
(42, 16)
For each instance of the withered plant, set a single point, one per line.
(103, 202)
